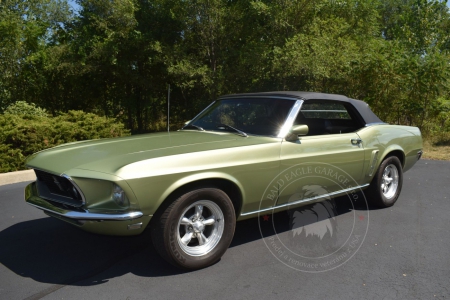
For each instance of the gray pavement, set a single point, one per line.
(405, 255)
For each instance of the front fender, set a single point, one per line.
(183, 181)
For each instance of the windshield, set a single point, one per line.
(257, 116)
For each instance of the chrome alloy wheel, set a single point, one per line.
(200, 228)
(389, 181)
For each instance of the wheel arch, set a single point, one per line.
(376, 194)
(229, 186)
(395, 152)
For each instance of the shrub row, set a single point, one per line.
(24, 134)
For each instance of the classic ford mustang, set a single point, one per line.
(228, 163)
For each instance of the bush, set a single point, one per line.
(10, 159)
(24, 108)
(24, 134)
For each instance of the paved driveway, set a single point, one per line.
(405, 255)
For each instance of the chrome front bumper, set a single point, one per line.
(32, 199)
(102, 223)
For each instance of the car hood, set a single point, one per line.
(110, 155)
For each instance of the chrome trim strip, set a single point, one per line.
(374, 160)
(376, 123)
(262, 96)
(290, 119)
(307, 200)
(198, 115)
(325, 110)
(91, 216)
(76, 187)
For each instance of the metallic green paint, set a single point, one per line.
(108, 227)
(336, 150)
(102, 155)
(390, 138)
(152, 167)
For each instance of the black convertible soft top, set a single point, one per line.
(362, 107)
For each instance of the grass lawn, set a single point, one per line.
(431, 151)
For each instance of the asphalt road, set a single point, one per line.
(405, 255)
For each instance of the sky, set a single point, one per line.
(76, 6)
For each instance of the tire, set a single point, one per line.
(195, 230)
(387, 183)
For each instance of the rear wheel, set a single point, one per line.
(387, 183)
(195, 230)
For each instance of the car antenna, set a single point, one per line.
(168, 108)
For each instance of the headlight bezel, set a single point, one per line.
(119, 196)
(98, 189)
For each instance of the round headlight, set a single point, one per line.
(118, 195)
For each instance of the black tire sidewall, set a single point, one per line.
(174, 251)
(380, 199)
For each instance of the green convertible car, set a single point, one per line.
(244, 155)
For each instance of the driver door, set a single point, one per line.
(326, 161)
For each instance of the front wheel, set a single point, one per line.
(387, 183)
(195, 230)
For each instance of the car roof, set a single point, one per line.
(292, 94)
(361, 106)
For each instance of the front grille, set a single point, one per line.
(57, 188)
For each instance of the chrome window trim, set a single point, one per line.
(198, 114)
(306, 200)
(325, 110)
(261, 97)
(287, 124)
(290, 119)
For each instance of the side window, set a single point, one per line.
(327, 117)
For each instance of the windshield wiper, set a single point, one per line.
(193, 126)
(240, 132)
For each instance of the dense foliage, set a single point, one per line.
(116, 58)
(23, 134)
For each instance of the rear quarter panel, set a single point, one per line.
(386, 139)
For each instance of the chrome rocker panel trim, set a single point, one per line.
(309, 200)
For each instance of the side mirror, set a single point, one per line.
(185, 123)
(297, 130)
(300, 129)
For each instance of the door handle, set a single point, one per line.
(356, 142)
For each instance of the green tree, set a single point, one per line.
(26, 27)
